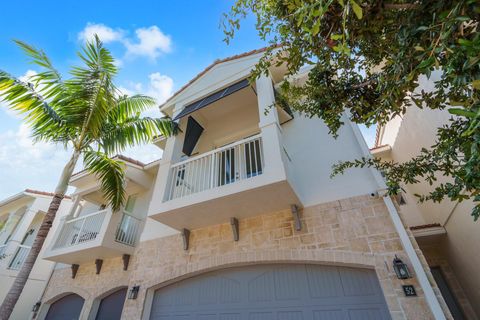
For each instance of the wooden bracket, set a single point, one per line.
(296, 217)
(98, 265)
(74, 270)
(186, 238)
(234, 223)
(126, 261)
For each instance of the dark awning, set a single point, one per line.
(212, 98)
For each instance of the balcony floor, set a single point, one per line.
(217, 206)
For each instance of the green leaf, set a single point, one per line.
(357, 9)
(427, 63)
(419, 48)
(336, 36)
(476, 84)
(462, 112)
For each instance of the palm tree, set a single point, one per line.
(86, 114)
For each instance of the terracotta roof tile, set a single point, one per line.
(218, 61)
(378, 147)
(43, 193)
(425, 226)
(377, 136)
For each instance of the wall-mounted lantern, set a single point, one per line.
(36, 306)
(133, 293)
(401, 268)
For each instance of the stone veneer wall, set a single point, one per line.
(350, 232)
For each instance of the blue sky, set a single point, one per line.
(160, 45)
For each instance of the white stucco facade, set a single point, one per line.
(21, 216)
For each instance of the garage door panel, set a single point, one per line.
(66, 308)
(260, 316)
(290, 283)
(358, 282)
(329, 315)
(366, 314)
(323, 283)
(259, 288)
(277, 292)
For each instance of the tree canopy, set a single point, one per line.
(366, 58)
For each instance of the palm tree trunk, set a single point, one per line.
(17, 287)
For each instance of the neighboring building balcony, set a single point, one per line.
(100, 234)
(13, 255)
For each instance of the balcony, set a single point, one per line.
(228, 165)
(19, 257)
(238, 180)
(97, 235)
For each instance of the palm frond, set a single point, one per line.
(134, 131)
(23, 98)
(93, 84)
(131, 106)
(111, 173)
(50, 76)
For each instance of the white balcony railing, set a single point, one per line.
(19, 257)
(232, 163)
(128, 229)
(80, 230)
(3, 247)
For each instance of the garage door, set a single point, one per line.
(274, 292)
(112, 305)
(66, 308)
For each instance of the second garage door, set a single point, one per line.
(274, 292)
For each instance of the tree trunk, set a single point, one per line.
(16, 289)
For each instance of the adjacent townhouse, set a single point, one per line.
(20, 219)
(240, 220)
(445, 232)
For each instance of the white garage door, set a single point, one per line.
(274, 292)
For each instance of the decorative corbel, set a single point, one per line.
(98, 265)
(74, 270)
(126, 261)
(234, 223)
(296, 217)
(186, 238)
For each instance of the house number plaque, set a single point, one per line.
(409, 291)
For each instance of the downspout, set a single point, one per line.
(430, 296)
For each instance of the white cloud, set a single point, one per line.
(151, 43)
(28, 165)
(160, 87)
(105, 33)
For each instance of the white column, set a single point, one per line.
(170, 155)
(270, 128)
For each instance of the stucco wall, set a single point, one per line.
(352, 232)
(435, 251)
(313, 152)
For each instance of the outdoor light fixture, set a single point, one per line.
(133, 293)
(36, 306)
(401, 268)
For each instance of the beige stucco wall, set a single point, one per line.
(416, 130)
(461, 248)
(435, 249)
(353, 232)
